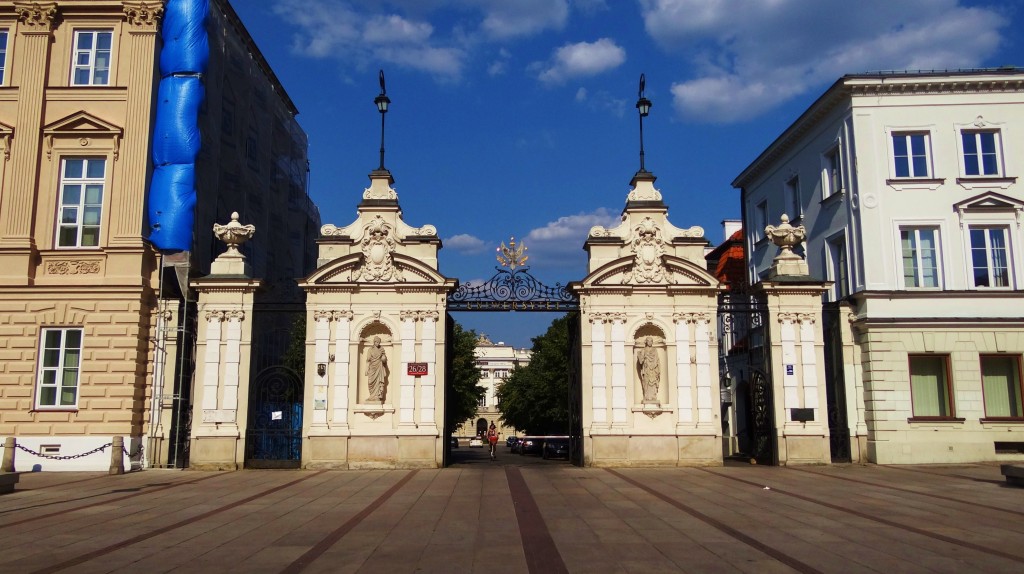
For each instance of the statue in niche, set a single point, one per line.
(649, 367)
(376, 371)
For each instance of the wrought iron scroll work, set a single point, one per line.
(514, 290)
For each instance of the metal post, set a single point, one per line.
(117, 456)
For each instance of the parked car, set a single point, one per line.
(475, 442)
(454, 442)
(531, 445)
(556, 448)
(511, 438)
(513, 442)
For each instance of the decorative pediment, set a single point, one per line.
(349, 271)
(990, 202)
(82, 125)
(677, 272)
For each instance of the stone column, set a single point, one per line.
(428, 384)
(706, 402)
(36, 22)
(339, 385)
(321, 340)
(620, 400)
(599, 374)
(407, 392)
(684, 383)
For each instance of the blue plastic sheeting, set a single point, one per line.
(176, 137)
(172, 211)
(186, 47)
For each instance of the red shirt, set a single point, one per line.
(492, 435)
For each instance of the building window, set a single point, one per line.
(920, 257)
(929, 386)
(831, 172)
(59, 368)
(910, 155)
(91, 66)
(1000, 376)
(3, 56)
(981, 152)
(81, 202)
(795, 209)
(760, 220)
(482, 401)
(990, 257)
(838, 267)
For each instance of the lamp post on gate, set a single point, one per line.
(382, 101)
(643, 105)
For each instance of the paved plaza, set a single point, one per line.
(519, 514)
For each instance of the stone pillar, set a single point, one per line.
(407, 392)
(428, 382)
(321, 358)
(35, 36)
(620, 402)
(339, 385)
(706, 402)
(797, 352)
(599, 374)
(684, 383)
(220, 407)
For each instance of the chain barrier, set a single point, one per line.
(63, 457)
(74, 456)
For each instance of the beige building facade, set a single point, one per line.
(87, 349)
(496, 362)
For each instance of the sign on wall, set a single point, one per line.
(417, 369)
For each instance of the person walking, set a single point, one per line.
(492, 439)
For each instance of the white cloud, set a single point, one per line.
(752, 55)
(466, 244)
(582, 59)
(559, 244)
(335, 29)
(512, 18)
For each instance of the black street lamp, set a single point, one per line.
(382, 101)
(643, 105)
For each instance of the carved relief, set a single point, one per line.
(72, 267)
(212, 316)
(377, 245)
(322, 314)
(648, 249)
(236, 315)
(383, 192)
(146, 15)
(37, 16)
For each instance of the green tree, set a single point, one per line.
(295, 355)
(535, 398)
(463, 392)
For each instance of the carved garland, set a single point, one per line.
(72, 267)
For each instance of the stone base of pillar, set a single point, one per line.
(216, 453)
(804, 449)
(653, 450)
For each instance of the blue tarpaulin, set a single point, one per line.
(176, 137)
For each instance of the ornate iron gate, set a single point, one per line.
(746, 357)
(513, 288)
(835, 384)
(274, 436)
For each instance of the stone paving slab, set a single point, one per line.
(528, 518)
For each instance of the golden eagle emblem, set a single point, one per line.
(512, 256)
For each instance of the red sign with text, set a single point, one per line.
(417, 369)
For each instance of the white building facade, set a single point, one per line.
(496, 362)
(907, 185)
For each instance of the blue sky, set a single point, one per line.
(517, 118)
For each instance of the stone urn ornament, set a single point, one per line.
(786, 237)
(234, 234)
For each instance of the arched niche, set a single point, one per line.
(650, 366)
(377, 365)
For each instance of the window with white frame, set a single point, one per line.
(981, 153)
(920, 251)
(990, 256)
(838, 267)
(929, 386)
(92, 57)
(760, 219)
(482, 401)
(1000, 377)
(794, 206)
(81, 202)
(831, 172)
(60, 367)
(910, 155)
(3, 56)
